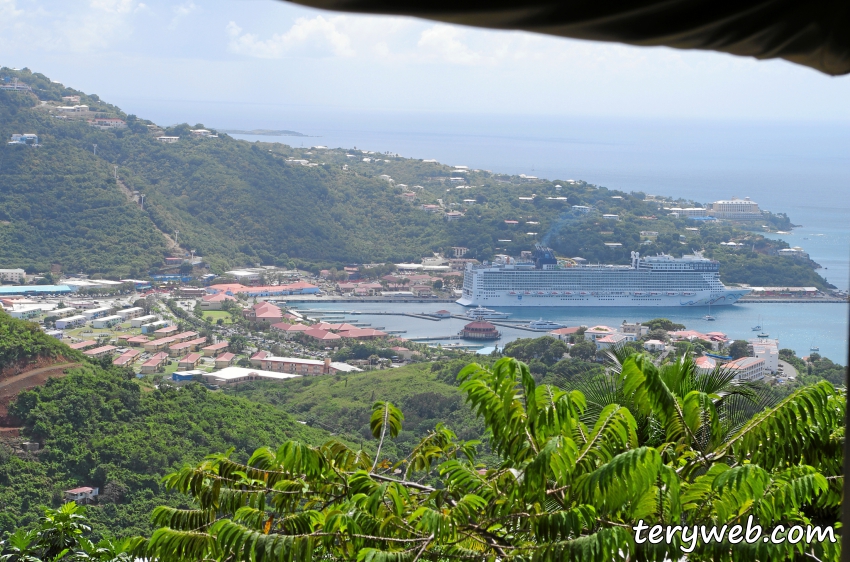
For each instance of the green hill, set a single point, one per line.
(101, 428)
(238, 203)
(24, 342)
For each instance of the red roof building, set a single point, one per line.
(363, 334)
(263, 312)
(215, 349)
(189, 362)
(224, 360)
(322, 335)
(100, 351)
(480, 331)
(154, 364)
(83, 344)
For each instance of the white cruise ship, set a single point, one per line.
(650, 281)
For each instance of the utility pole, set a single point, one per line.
(94, 147)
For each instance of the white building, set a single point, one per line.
(654, 345)
(769, 351)
(142, 320)
(154, 326)
(93, 313)
(747, 368)
(71, 322)
(13, 275)
(130, 313)
(168, 140)
(736, 209)
(106, 321)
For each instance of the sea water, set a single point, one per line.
(797, 326)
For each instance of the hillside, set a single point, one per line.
(425, 393)
(238, 203)
(101, 428)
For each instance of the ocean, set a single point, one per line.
(799, 168)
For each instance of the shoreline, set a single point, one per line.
(305, 299)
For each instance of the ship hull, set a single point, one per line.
(722, 298)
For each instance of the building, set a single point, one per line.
(214, 302)
(264, 312)
(453, 215)
(158, 344)
(214, 349)
(176, 349)
(403, 352)
(747, 368)
(597, 332)
(321, 335)
(185, 376)
(71, 99)
(106, 321)
(168, 140)
(654, 345)
(127, 358)
(154, 326)
(687, 212)
(224, 360)
(100, 351)
(13, 275)
(565, 334)
(140, 321)
(184, 336)
(303, 367)
(130, 313)
(636, 329)
(611, 217)
(26, 138)
(154, 364)
(189, 362)
(736, 209)
(768, 350)
(46, 290)
(459, 251)
(137, 340)
(441, 314)
(290, 329)
(190, 292)
(648, 235)
(81, 495)
(480, 330)
(166, 331)
(99, 312)
(107, 123)
(613, 340)
(705, 364)
(202, 133)
(83, 345)
(236, 375)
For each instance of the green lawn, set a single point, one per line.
(214, 315)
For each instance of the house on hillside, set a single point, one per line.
(82, 495)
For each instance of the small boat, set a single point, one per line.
(527, 293)
(764, 335)
(568, 293)
(512, 293)
(540, 293)
(546, 325)
(672, 294)
(709, 317)
(688, 294)
(654, 294)
(481, 312)
(813, 347)
(638, 293)
(583, 293)
(554, 293)
(757, 327)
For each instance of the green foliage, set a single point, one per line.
(584, 350)
(99, 427)
(22, 342)
(569, 484)
(738, 349)
(663, 324)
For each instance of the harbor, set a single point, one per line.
(796, 325)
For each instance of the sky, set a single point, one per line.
(141, 54)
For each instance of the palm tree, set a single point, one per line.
(734, 401)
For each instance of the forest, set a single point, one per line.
(237, 203)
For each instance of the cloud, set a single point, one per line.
(443, 43)
(317, 37)
(182, 11)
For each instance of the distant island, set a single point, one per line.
(264, 132)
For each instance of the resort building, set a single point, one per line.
(747, 368)
(736, 209)
(480, 330)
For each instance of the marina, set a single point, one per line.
(796, 325)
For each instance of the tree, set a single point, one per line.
(584, 350)
(238, 343)
(438, 284)
(569, 482)
(738, 349)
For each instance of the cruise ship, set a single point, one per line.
(662, 280)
